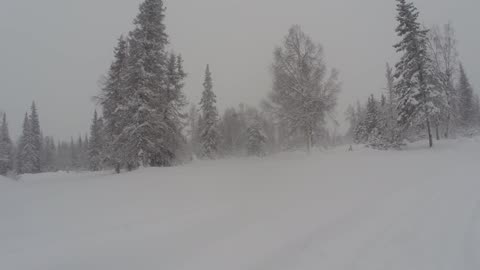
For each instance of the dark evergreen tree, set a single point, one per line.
(209, 133)
(26, 149)
(6, 148)
(466, 100)
(36, 139)
(95, 144)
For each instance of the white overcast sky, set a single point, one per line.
(54, 51)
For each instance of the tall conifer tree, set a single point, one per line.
(466, 100)
(114, 101)
(36, 139)
(26, 149)
(95, 144)
(209, 134)
(6, 148)
(413, 88)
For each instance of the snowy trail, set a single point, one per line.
(365, 210)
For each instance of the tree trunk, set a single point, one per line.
(429, 130)
(437, 131)
(129, 167)
(447, 128)
(309, 140)
(117, 168)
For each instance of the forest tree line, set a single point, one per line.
(144, 120)
(427, 94)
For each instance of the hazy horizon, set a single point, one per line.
(54, 52)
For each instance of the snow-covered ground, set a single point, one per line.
(367, 210)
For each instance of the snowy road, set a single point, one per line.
(366, 210)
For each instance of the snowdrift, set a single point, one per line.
(366, 209)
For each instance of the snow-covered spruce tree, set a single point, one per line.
(151, 133)
(18, 165)
(6, 148)
(375, 125)
(360, 134)
(146, 76)
(36, 140)
(303, 93)
(114, 102)
(95, 144)
(256, 138)
(209, 135)
(26, 149)
(413, 88)
(386, 134)
(444, 55)
(372, 117)
(174, 117)
(466, 100)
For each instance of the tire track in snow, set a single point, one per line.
(428, 228)
(472, 240)
(290, 254)
(393, 229)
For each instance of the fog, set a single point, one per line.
(55, 51)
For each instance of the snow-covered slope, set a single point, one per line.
(413, 209)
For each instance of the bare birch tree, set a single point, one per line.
(304, 91)
(444, 55)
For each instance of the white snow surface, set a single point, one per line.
(366, 210)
